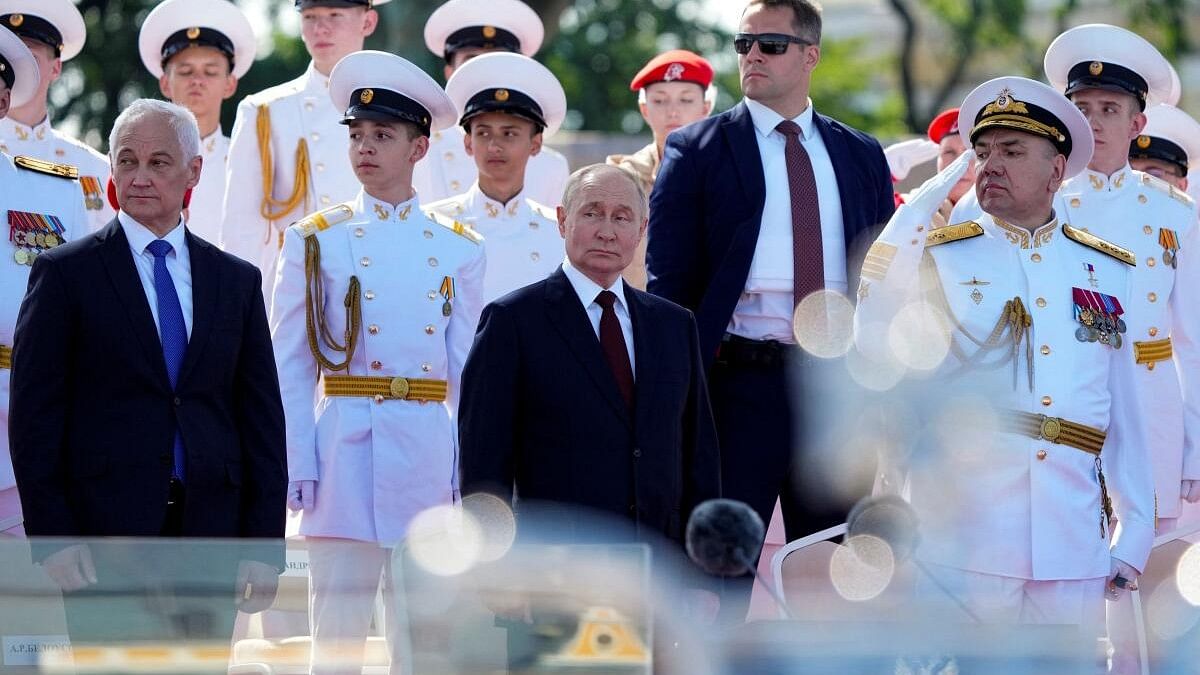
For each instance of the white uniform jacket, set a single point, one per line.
(47, 143)
(24, 195)
(1003, 503)
(377, 464)
(204, 210)
(1147, 216)
(298, 110)
(448, 170)
(521, 238)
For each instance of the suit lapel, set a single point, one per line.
(743, 147)
(205, 290)
(846, 172)
(646, 347)
(118, 261)
(570, 319)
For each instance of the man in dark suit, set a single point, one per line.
(755, 209)
(145, 401)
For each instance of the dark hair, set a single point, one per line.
(806, 16)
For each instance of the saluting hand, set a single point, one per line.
(302, 495)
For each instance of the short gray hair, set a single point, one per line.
(180, 119)
(578, 178)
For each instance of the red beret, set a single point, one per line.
(677, 65)
(945, 123)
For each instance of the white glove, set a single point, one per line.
(903, 156)
(928, 198)
(302, 495)
(1120, 568)
(1190, 491)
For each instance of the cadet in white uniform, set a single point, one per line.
(459, 31)
(1017, 524)
(507, 103)
(54, 31)
(287, 152)
(402, 294)
(198, 50)
(1111, 75)
(41, 208)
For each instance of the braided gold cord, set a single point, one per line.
(314, 312)
(274, 209)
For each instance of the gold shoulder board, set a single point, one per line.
(1092, 241)
(49, 168)
(461, 229)
(944, 235)
(1165, 187)
(323, 220)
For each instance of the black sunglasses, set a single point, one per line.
(769, 43)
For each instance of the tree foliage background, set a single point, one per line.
(595, 46)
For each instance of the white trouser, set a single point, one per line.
(12, 524)
(344, 577)
(997, 599)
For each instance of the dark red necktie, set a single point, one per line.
(808, 257)
(612, 343)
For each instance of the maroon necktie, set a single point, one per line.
(612, 342)
(808, 257)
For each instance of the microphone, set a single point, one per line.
(892, 519)
(724, 537)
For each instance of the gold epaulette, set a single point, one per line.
(323, 220)
(461, 229)
(1092, 241)
(1171, 191)
(49, 168)
(944, 235)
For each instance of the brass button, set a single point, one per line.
(1150, 262)
(448, 156)
(1046, 400)
(370, 295)
(428, 234)
(1036, 257)
(429, 329)
(359, 232)
(535, 256)
(1041, 455)
(1041, 302)
(376, 365)
(373, 329)
(1153, 297)
(1150, 366)
(437, 135)
(1045, 350)
(1153, 331)
(1075, 202)
(915, 242)
(315, 136)
(533, 225)
(325, 199)
(425, 368)
(920, 228)
(455, 185)
(433, 262)
(365, 262)
(1147, 229)
(320, 166)
(379, 398)
(433, 295)
(1141, 199)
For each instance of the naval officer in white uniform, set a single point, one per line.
(42, 210)
(375, 307)
(54, 31)
(1111, 75)
(287, 152)
(1018, 523)
(507, 103)
(458, 31)
(198, 50)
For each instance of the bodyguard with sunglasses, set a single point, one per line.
(753, 210)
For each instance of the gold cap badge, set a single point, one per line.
(193, 33)
(1005, 99)
(16, 20)
(1096, 68)
(366, 96)
(489, 32)
(1143, 141)
(502, 95)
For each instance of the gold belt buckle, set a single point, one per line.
(399, 387)
(1051, 428)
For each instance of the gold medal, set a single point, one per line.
(21, 256)
(446, 308)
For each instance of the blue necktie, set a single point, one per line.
(172, 330)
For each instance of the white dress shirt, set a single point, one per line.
(179, 265)
(764, 312)
(587, 290)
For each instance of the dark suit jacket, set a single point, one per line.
(541, 418)
(92, 413)
(707, 203)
